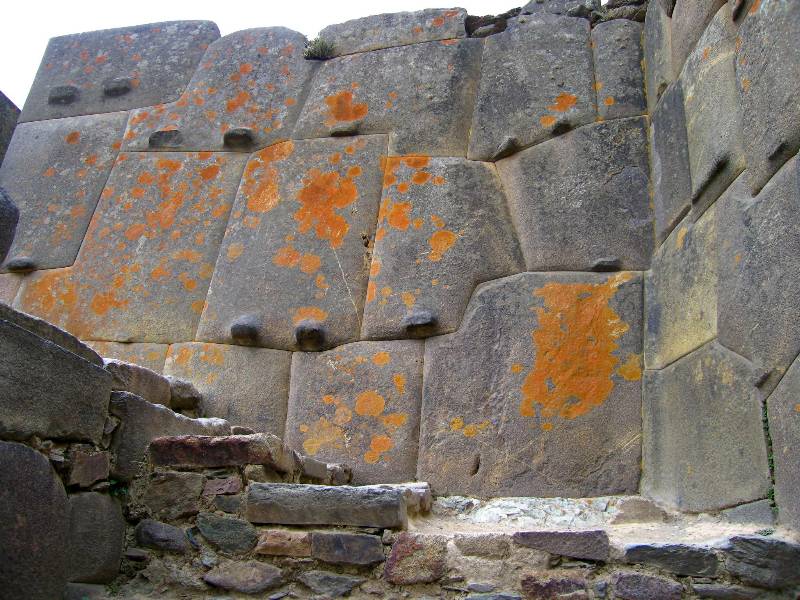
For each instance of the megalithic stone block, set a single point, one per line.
(96, 535)
(703, 430)
(657, 53)
(619, 80)
(713, 112)
(768, 72)
(581, 201)
(55, 171)
(245, 386)
(245, 94)
(538, 393)
(425, 110)
(359, 404)
(759, 301)
(116, 69)
(292, 272)
(689, 20)
(443, 228)
(536, 81)
(9, 114)
(150, 356)
(784, 428)
(9, 217)
(395, 29)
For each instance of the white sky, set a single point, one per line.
(26, 25)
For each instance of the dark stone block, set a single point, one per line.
(96, 535)
(638, 586)
(166, 138)
(9, 217)
(197, 451)
(619, 80)
(161, 536)
(548, 586)
(172, 495)
(227, 534)
(763, 561)
(251, 577)
(676, 558)
(586, 545)
(347, 548)
(331, 585)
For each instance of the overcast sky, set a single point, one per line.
(26, 25)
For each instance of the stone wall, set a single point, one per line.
(557, 260)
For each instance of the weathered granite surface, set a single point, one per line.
(619, 77)
(9, 113)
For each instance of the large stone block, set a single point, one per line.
(536, 80)
(148, 256)
(150, 356)
(142, 422)
(713, 110)
(54, 172)
(96, 534)
(784, 427)
(116, 69)
(143, 382)
(359, 404)
(51, 295)
(9, 113)
(681, 292)
(538, 393)
(759, 296)
(9, 219)
(657, 53)
(245, 386)
(292, 271)
(192, 452)
(669, 161)
(443, 228)
(704, 445)
(768, 72)
(581, 201)
(618, 58)
(35, 517)
(425, 110)
(689, 20)
(245, 94)
(48, 391)
(395, 29)
(572, 8)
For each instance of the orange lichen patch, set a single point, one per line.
(745, 84)
(371, 291)
(381, 358)
(159, 273)
(420, 177)
(386, 291)
(408, 299)
(403, 187)
(370, 404)
(609, 101)
(260, 179)
(234, 251)
(209, 172)
(563, 102)
(574, 342)
(310, 263)
(187, 281)
(135, 231)
(48, 294)
(547, 426)
(631, 369)
(440, 242)
(343, 415)
(321, 195)
(321, 434)
(547, 120)
(321, 283)
(341, 108)
(375, 268)
(598, 85)
(184, 356)
(237, 101)
(797, 407)
(706, 53)
(754, 8)
(516, 368)
(380, 444)
(73, 137)
(437, 221)
(312, 313)
(286, 257)
(437, 21)
(473, 429)
(188, 255)
(212, 355)
(102, 302)
(397, 215)
(456, 424)
(680, 237)
(335, 158)
(354, 171)
(417, 223)
(49, 172)
(399, 381)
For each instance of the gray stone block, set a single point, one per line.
(591, 198)
(359, 404)
(96, 534)
(295, 248)
(536, 81)
(768, 72)
(721, 591)
(9, 113)
(758, 512)
(9, 217)
(227, 534)
(49, 391)
(245, 94)
(639, 586)
(150, 356)
(416, 558)
(171, 495)
(618, 58)
(704, 445)
(763, 561)
(142, 422)
(690, 18)
(249, 577)
(669, 161)
(395, 29)
(35, 517)
(713, 110)
(759, 301)
(346, 548)
(784, 427)
(244, 386)
(425, 110)
(585, 545)
(301, 504)
(681, 292)
(681, 559)
(55, 171)
(657, 53)
(141, 381)
(572, 8)
(161, 536)
(331, 585)
(443, 228)
(518, 402)
(116, 69)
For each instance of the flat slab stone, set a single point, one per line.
(116, 69)
(247, 89)
(640, 586)
(247, 577)
(784, 427)
(142, 422)
(619, 77)
(763, 561)
(768, 73)
(9, 113)
(681, 559)
(346, 548)
(425, 111)
(689, 20)
(33, 508)
(96, 535)
(301, 504)
(681, 292)
(296, 247)
(657, 53)
(330, 584)
(702, 417)
(669, 162)
(204, 451)
(538, 393)
(602, 170)
(758, 303)
(245, 386)
(359, 404)
(585, 545)
(713, 109)
(54, 172)
(141, 381)
(536, 80)
(395, 29)
(48, 391)
(443, 228)
(150, 356)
